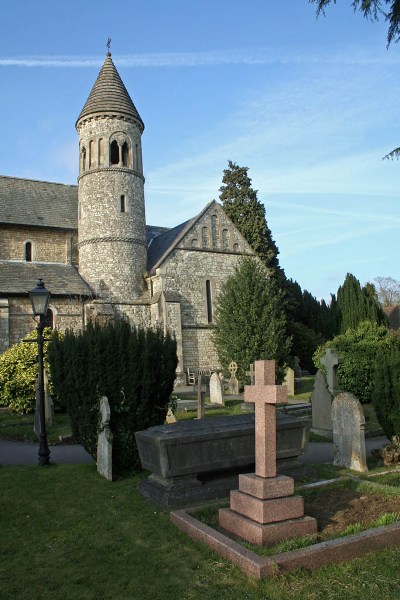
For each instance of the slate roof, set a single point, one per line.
(162, 243)
(38, 203)
(109, 95)
(61, 280)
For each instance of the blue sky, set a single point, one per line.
(309, 105)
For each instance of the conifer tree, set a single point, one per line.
(242, 206)
(250, 321)
(356, 304)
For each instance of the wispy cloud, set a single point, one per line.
(239, 56)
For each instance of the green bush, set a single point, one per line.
(386, 394)
(18, 373)
(134, 368)
(358, 349)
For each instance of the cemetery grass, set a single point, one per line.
(68, 533)
(14, 426)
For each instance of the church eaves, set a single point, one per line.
(109, 95)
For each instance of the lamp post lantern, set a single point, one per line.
(40, 298)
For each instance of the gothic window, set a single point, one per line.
(28, 251)
(204, 237)
(49, 319)
(136, 165)
(125, 154)
(209, 301)
(195, 243)
(83, 155)
(214, 231)
(122, 203)
(102, 158)
(225, 239)
(114, 153)
(92, 161)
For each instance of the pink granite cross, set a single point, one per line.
(265, 395)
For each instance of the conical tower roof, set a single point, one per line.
(109, 95)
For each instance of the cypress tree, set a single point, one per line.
(356, 304)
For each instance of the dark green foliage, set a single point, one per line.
(373, 9)
(356, 304)
(304, 343)
(134, 368)
(242, 206)
(386, 395)
(359, 349)
(18, 374)
(249, 319)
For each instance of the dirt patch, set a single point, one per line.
(337, 508)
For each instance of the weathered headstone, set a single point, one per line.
(331, 361)
(249, 406)
(170, 417)
(216, 389)
(233, 382)
(297, 367)
(321, 405)
(348, 424)
(201, 396)
(264, 509)
(289, 381)
(104, 441)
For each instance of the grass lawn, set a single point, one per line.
(20, 427)
(67, 533)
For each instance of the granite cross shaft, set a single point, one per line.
(265, 395)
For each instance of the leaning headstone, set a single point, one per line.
(289, 381)
(331, 361)
(104, 441)
(233, 382)
(216, 389)
(201, 396)
(321, 406)
(348, 424)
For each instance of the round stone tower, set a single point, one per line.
(111, 218)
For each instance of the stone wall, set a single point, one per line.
(48, 245)
(4, 325)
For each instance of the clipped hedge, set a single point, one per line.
(358, 349)
(18, 373)
(386, 394)
(133, 367)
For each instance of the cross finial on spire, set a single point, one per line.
(108, 45)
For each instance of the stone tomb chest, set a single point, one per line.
(201, 459)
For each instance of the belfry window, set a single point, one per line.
(125, 154)
(122, 203)
(28, 251)
(114, 153)
(209, 301)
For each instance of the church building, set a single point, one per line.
(91, 246)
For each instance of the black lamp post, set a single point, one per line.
(40, 298)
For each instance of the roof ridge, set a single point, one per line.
(38, 181)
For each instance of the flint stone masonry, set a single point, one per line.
(348, 423)
(201, 459)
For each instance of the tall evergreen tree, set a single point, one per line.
(249, 319)
(242, 206)
(356, 304)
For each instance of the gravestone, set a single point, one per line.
(264, 510)
(104, 441)
(289, 381)
(170, 417)
(331, 361)
(249, 406)
(201, 396)
(48, 404)
(348, 424)
(321, 405)
(216, 389)
(233, 382)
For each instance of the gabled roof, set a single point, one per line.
(61, 280)
(109, 95)
(38, 203)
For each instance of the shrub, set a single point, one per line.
(134, 368)
(386, 395)
(18, 374)
(358, 349)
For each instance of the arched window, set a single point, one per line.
(28, 251)
(204, 237)
(209, 301)
(225, 239)
(125, 154)
(236, 247)
(114, 153)
(195, 243)
(214, 231)
(49, 319)
(122, 203)
(92, 161)
(83, 155)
